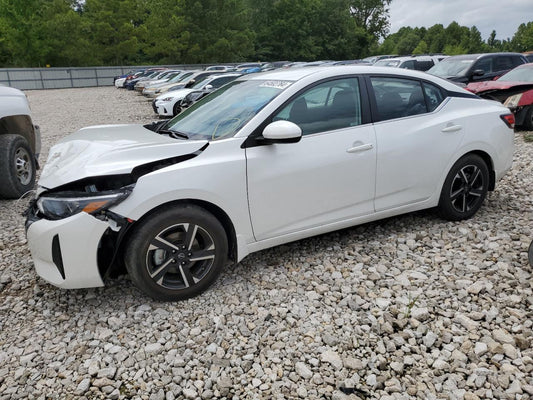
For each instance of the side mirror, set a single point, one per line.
(282, 132)
(208, 87)
(478, 72)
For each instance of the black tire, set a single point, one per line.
(17, 166)
(528, 120)
(177, 108)
(464, 189)
(160, 254)
(530, 254)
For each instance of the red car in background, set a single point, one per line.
(514, 89)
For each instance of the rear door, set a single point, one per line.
(413, 138)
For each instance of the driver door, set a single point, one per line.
(327, 177)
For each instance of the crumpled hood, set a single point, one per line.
(479, 87)
(109, 150)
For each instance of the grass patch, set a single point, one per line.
(528, 137)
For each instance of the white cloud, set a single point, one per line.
(486, 15)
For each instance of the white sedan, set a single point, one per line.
(268, 159)
(168, 104)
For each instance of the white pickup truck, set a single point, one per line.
(20, 144)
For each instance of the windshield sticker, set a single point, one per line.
(276, 84)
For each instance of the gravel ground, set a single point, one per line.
(410, 307)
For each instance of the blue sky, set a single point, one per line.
(504, 16)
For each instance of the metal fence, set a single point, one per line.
(58, 78)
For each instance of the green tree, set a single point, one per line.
(421, 48)
(523, 38)
(113, 29)
(372, 16)
(435, 38)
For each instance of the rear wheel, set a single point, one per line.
(176, 253)
(17, 166)
(464, 189)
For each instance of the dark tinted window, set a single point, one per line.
(216, 83)
(502, 63)
(325, 107)
(484, 64)
(517, 60)
(408, 64)
(397, 97)
(424, 65)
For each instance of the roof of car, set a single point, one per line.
(480, 55)
(295, 74)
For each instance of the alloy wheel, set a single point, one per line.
(467, 188)
(180, 256)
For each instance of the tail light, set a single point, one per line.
(508, 119)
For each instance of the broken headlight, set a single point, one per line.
(62, 205)
(512, 101)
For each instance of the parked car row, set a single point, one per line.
(174, 90)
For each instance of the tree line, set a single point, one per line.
(58, 33)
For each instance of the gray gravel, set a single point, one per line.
(409, 307)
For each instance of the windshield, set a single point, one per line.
(522, 74)
(224, 112)
(180, 77)
(449, 67)
(200, 82)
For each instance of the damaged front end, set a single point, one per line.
(73, 236)
(518, 98)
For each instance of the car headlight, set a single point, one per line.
(62, 205)
(512, 101)
(168, 99)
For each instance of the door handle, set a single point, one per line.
(452, 128)
(357, 149)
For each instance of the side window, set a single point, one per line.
(484, 64)
(434, 96)
(408, 64)
(325, 107)
(424, 65)
(502, 63)
(517, 60)
(216, 83)
(397, 97)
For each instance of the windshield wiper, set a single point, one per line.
(173, 134)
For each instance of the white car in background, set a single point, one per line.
(267, 159)
(168, 104)
(419, 63)
(119, 82)
(162, 78)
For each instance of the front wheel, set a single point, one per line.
(176, 253)
(17, 166)
(464, 189)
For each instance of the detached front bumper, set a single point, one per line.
(65, 251)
